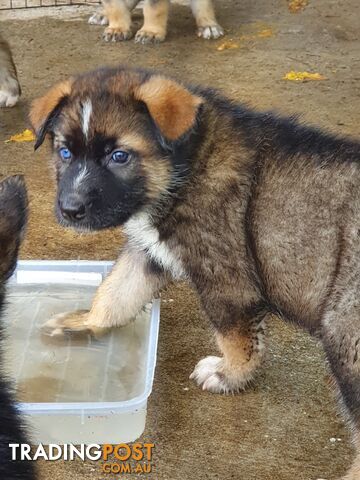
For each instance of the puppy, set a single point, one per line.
(9, 85)
(117, 14)
(260, 214)
(13, 204)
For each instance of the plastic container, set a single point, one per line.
(50, 372)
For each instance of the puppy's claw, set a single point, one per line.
(145, 37)
(210, 32)
(117, 34)
(98, 19)
(71, 322)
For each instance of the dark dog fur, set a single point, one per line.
(259, 213)
(13, 205)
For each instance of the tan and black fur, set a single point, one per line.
(117, 15)
(9, 84)
(261, 215)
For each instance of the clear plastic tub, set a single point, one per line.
(77, 389)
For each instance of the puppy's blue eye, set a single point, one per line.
(65, 154)
(120, 157)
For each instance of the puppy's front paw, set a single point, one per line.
(117, 34)
(210, 32)
(9, 90)
(98, 19)
(71, 322)
(211, 375)
(146, 36)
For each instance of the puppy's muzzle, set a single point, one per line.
(74, 208)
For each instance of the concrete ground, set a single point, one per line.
(281, 427)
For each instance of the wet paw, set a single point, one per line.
(145, 36)
(210, 32)
(71, 322)
(210, 374)
(117, 34)
(9, 91)
(98, 19)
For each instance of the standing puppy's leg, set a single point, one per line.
(118, 14)
(341, 333)
(341, 338)
(9, 85)
(241, 340)
(132, 283)
(99, 18)
(203, 11)
(155, 22)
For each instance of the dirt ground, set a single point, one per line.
(282, 427)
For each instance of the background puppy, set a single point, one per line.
(13, 204)
(259, 213)
(9, 84)
(117, 13)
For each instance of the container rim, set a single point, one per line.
(138, 402)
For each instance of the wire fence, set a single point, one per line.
(14, 4)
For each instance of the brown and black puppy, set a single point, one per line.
(13, 205)
(9, 84)
(117, 15)
(259, 213)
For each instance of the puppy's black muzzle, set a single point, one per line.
(74, 208)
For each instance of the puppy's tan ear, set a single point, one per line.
(172, 106)
(44, 109)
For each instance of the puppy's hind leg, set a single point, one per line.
(203, 11)
(156, 14)
(242, 345)
(341, 340)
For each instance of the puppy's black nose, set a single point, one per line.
(72, 208)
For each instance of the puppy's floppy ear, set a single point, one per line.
(44, 109)
(172, 106)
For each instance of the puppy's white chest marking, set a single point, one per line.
(86, 114)
(143, 235)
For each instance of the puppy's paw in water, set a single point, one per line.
(211, 375)
(144, 36)
(210, 32)
(98, 19)
(72, 322)
(117, 34)
(9, 91)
